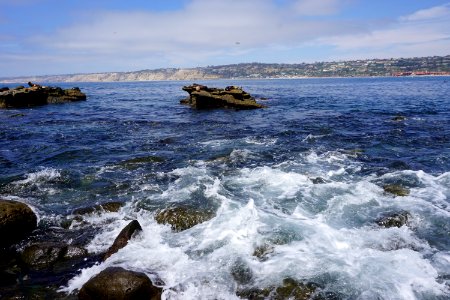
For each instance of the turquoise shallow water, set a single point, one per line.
(134, 143)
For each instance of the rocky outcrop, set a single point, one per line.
(290, 289)
(118, 283)
(122, 239)
(182, 218)
(38, 95)
(396, 190)
(202, 97)
(17, 220)
(44, 255)
(394, 220)
(104, 207)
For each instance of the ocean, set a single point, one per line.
(296, 189)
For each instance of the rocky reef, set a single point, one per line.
(203, 97)
(35, 95)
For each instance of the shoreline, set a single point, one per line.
(36, 79)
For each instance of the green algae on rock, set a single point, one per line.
(182, 218)
(396, 190)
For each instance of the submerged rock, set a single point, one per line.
(104, 207)
(182, 218)
(262, 252)
(394, 220)
(118, 283)
(38, 95)
(122, 239)
(45, 255)
(396, 190)
(17, 220)
(399, 118)
(202, 97)
(290, 289)
(134, 163)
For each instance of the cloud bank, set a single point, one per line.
(206, 32)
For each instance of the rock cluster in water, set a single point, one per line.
(202, 97)
(35, 95)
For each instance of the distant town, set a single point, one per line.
(417, 66)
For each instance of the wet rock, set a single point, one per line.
(42, 256)
(9, 271)
(122, 239)
(290, 289)
(396, 190)
(262, 252)
(182, 218)
(104, 207)
(318, 180)
(134, 163)
(38, 95)
(118, 283)
(394, 220)
(202, 97)
(241, 272)
(17, 220)
(45, 255)
(399, 118)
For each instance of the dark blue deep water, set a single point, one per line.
(134, 143)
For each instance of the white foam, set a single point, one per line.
(42, 176)
(313, 241)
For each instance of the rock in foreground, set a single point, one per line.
(122, 239)
(202, 97)
(118, 283)
(17, 220)
(38, 95)
(182, 218)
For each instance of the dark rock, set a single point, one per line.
(4, 89)
(104, 207)
(74, 252)
(134, 163)
(290, 289)
(394, 220)
(38, 95)
(241, 272)
(399, 118)
(17, 115)
(42, 256)
(17, 220)
(202, 97)
(182, 218)
(122, 239)
(117, 283)
(262, 252)
(396, 190)
(318, 180)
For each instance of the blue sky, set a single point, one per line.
(39, 37)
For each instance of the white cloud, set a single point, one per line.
(317, 7)
(425, 32)
(430, 13)
(203, 29)
(206, 32)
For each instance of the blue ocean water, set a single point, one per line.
(134, 143)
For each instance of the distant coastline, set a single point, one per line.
(417, 66)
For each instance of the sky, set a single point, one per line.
(46, 37)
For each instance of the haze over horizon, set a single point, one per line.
(40, 37)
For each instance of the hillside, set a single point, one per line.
(434, 65)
